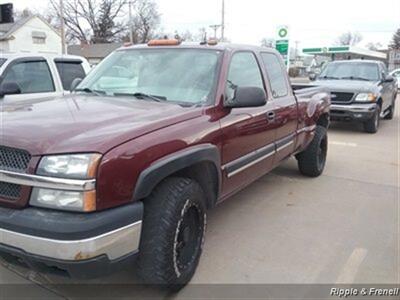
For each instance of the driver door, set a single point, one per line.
(33, 77)
(248, 148)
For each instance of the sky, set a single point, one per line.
(311, 22)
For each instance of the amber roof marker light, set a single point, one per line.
(169, 42)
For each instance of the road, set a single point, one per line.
(342, 227)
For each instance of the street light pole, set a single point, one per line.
(63, 46)
(130, 23)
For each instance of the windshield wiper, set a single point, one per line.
(142, 96)
(355, 78)
(90, 91)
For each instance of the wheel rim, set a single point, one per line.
(188, 239)
(322, 151)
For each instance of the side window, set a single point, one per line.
(243, 71)
(69, 71)
(31, 76)
(276, 75)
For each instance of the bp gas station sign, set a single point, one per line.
(282, 43)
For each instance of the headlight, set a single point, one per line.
(75, 166)
(366, 97)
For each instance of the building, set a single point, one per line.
(94, 53)
(345, 52)
(31, 34)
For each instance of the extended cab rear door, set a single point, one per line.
(33, 76)
(284, 104)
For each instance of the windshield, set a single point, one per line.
(355, 71)
(176, 75)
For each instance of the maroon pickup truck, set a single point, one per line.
(124, 169)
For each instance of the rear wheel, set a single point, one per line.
(372, 125)
(312, 161)
(173, 231)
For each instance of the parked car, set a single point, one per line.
(396, 75)
(362, 90)
(35, 76)
(126, 168)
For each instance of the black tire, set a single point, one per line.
(390, 114)
(372, 125)
(173, 233)
(312, 161)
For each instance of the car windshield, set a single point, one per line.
(176, 75)
(351, 70)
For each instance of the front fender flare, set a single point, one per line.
(170, 164)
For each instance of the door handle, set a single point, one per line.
(271, 115)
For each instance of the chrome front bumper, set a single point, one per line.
(356, 112)
(355, 108)
(114, 244)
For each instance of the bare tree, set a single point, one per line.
(395, 44)
(95, 21)
(349, 39)
(374, 46)
(145, 21)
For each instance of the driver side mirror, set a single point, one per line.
(9, 88)
(74, 84)
(389, 78)
(247, 97)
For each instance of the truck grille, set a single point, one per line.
(15, 160)
(10, 191)
(338, 97)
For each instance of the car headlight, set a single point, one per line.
(74, 166)
(366, 97)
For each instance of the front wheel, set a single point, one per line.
(312, 161)
(392, 109)
(173, 231)
(372, 125)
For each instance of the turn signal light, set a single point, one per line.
(171, 42)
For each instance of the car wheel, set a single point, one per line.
(173, 233)
(372, 125)
(390, 114)
(312, 161)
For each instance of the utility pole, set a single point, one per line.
(223, 21)
(63, 46)
(130, 23)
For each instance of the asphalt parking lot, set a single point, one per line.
(340, 228)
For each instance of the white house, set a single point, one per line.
(30, 34)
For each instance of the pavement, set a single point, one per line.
(343, 227)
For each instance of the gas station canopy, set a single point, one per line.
(345, 52)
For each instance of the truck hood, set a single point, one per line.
(83, 123)
(352, 86)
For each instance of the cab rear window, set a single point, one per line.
(68, 71)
